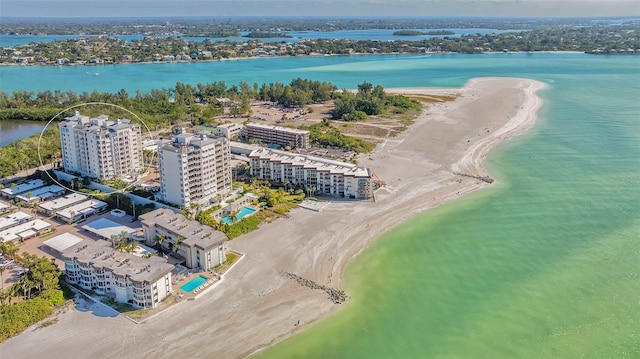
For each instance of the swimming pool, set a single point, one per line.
(244, 211)
(194, 283)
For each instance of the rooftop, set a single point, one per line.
(194, 233)
(24, 230)
(24, 187)
(13, 219)
(101, 255)
(42, 192)
(63, 202)
(62, 241)
(185, 140)
(311, 162)
(88, 207)
(229, 125)
(276, 128)
(106, 228)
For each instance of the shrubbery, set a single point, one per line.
(17, 317)
(368, 101)
(323, 135)
(37, 292)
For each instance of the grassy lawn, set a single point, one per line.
(231, 258)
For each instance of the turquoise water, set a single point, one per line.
(193, 284)
(442, 70)
(380, 34)
(542, 264)
(244, 211)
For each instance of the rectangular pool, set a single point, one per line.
(194, 283)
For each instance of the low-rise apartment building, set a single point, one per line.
(229, 130)
(142, 282)
(274, 135)
(201, 246)
(12, 192)
(323, 176)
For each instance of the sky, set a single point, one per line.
(179, 8)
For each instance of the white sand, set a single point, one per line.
(254, 307)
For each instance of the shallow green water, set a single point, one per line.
(545, 264)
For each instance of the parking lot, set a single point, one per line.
(34, 245)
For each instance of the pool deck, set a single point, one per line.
(184, 279)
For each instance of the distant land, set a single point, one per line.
(232, 25)
(101, 42)
(419, 33)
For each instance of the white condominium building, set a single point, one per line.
(195, 168)
(274, 135)
(323, 176)
(229, 130)
(144, 282)
(99, 148)
(201, 246)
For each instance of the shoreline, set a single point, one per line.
(297, 56)
(255, 308)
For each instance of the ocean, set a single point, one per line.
(545, 263)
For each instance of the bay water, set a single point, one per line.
(294, 36)
(545, 263)
(13, 130)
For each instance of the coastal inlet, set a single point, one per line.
(336, 296)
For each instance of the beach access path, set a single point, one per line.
(255, 306)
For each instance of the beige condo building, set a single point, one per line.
(100, 148)
(194, 168)
(320, 175)
(275, 135)
(143, 282)
(201, 246)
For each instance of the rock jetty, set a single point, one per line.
(481, 178)
(336, 296)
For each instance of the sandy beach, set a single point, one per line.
(255, 307)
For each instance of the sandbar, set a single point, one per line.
(255, 307)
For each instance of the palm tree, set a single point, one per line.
(133, 246)
(122, 246)
(234, 215)
(9, 248)
(159, 239)
(115, 240)
(179, 241)
(195, 207)
(124, 236)
(2, 269)
(186, 211)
